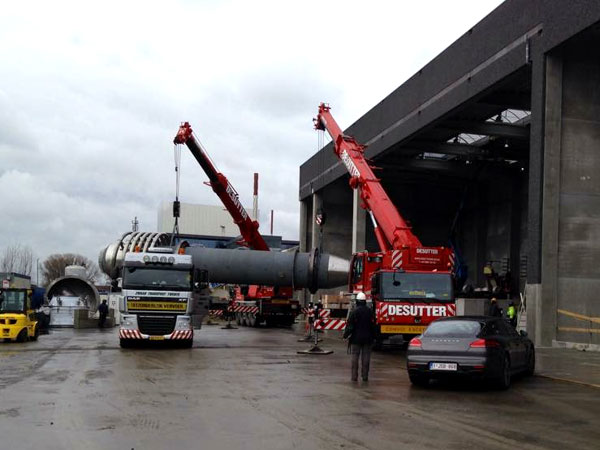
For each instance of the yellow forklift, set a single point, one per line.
(18, 320)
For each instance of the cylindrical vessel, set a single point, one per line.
(299, 270)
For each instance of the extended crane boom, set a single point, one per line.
(410, 285)
(395, 233)
(223, 188)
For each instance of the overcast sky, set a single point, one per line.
(92, 94)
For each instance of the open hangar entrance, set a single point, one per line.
(495, 144)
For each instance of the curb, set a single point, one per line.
(566, 380)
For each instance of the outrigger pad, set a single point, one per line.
(308, 339)
(315, 350)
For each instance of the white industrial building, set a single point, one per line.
(198, 220)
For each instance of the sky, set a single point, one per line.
(92, 94)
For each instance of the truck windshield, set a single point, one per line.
(418, 286)
(12, 301)
(157, 279)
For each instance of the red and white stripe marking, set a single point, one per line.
(130, 334)
(245, 309)
(215, 312)
(330, 324)
(397, 259)
(451, 308)
(323, 314)
(183, 334)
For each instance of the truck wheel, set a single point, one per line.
(378, 345)
(251, 320)
(22, 336)
(238, 318)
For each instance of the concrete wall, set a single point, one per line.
(578, 161)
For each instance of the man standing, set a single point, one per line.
(103, 311)
(360, 330)
(511, 314)
(494, 309)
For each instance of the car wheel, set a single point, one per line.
(22, 336)
(530, 363)
(418, 379)
(503, 380)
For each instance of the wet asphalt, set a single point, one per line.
(249, 389)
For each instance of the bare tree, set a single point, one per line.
(17, 258)
(54, 267)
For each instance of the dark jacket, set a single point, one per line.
(494, 310)
(360, 327)
(103, 309)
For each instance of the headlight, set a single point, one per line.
(183, 323)
(129, 322)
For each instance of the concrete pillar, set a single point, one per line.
(546, 307)
(317, 204)
(359, 218)
(303, 225)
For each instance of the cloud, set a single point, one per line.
(92, 95)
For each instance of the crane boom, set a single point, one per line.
(223, 188)
(391, 230)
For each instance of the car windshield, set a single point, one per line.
(453, 328)
(12, 301)
(157, 279)
(402, 285)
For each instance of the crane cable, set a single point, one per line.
(176, 205)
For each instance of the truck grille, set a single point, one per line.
(156, 325)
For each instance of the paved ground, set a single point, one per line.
(248, 389)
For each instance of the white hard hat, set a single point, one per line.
(361, 296)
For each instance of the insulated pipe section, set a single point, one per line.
(300, 270)
(313, 270)
(111, 258)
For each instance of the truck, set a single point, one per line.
(18, 320)
(251, 304)
(161, 294)
(409, 284)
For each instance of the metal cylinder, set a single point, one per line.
(300, 270)
(111, 258)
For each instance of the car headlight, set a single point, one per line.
(183, 323)
(129, 322)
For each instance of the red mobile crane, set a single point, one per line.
(260, 303)
(410, 285)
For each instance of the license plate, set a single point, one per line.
(408, 329)
(443, 366)
(157, 338)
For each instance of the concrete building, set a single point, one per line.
(496, 141)
(211, 226)
(198, 219)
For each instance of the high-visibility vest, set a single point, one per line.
(511, 312)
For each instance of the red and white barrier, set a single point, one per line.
(330, 324)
